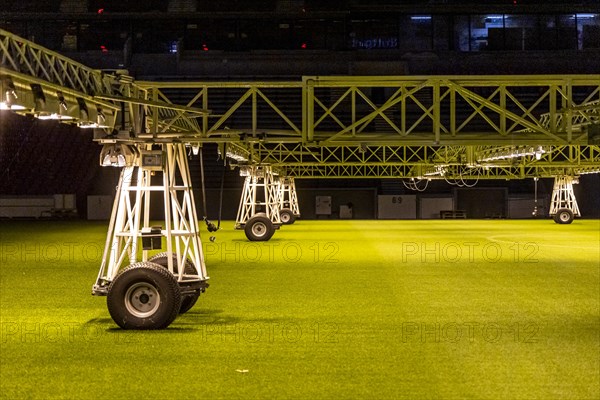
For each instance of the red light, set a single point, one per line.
(204, 47)
(303, 46)
(100, 10)
(103, 49)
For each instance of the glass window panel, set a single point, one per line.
(416, 33)
(487, 32)
(567, 32)
(548, 32)
(461, 33)
(441, 32)
(520, 32)
(588, 30)
(374, 33)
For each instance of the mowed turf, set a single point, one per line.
(326, 309)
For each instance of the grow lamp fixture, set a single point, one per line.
(117, 155)
(513, 152)
(10, 97)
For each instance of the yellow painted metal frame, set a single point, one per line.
(346, 126)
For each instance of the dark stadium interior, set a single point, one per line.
(276, 40)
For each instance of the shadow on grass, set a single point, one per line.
(100, 324)
(257, 243)
(193, 320)
(99, 321)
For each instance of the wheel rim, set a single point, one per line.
(259, 229)
(142, 299)
(564, 216)
(285, 217)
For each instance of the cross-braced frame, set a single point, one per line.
(130, 219)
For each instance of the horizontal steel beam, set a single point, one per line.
(342, 126)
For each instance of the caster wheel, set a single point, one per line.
(259, 228)
(564, 216)
(286, 216)
(144, 296)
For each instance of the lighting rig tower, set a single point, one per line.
(146, 292)
(289, 210)
(258, 213)
(563, 206)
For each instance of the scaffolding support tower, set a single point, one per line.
(563, 206)
(289, 210)
(258, 213)
(144, 291)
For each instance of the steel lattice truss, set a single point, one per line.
(431, 162)
(26, 65)
(450, 127)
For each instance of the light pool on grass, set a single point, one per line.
(326, 309)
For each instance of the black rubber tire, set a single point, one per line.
(286, 216)
(130, 297)
(161, 259)
(564, 216)
(189, 300)
(259, 228)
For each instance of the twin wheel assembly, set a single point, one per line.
(146, 295)
(267, 202)
(261, 228)
(287, 216)
(563, 216)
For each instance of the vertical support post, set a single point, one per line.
(205, 116)
(553, 109)
(452, 110)
(288, 196)
(294, 197)
(403, 111)
(567, 105)
(272, 187)
(243, 213)
(353, 121)
(503, 107)
(436, 111)
(310, 109)
(167, 199)
(254, 112)
(155, 113)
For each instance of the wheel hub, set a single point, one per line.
(142, 299)
(259, 229)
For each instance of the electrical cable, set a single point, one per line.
(413, 185)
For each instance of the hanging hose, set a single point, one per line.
(222, 185)
(535, 212)
(209, 225)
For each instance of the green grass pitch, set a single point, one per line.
(326, 309)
